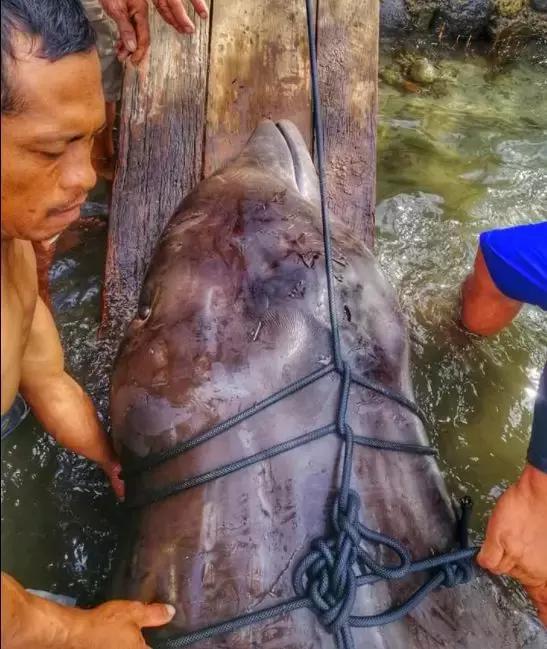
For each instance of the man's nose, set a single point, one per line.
(77, 172)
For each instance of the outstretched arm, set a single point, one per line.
(31, 622)
(515, 542)
(63, 408)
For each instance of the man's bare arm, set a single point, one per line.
(23, 614)
(485, 309)
(63, 408)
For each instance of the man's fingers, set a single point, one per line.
(201, 8)
(122, 53)
(151, 615)
(142, 28)
(182, 20)
(491, 555)
(166, 14)
(118, 485)
(127, 32)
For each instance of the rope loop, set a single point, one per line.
(329, 574)
(325, 576)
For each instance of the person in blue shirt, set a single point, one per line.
(510, 270)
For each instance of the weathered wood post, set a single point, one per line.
(347, 35)
(160, 157)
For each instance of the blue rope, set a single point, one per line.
(327, 579)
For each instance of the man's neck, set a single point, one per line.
(7, 250)
(7, 246)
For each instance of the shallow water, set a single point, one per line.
(448, 167)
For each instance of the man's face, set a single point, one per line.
(46, 144)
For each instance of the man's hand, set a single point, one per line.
(32, 621)
(115, 624)
(113, 472)
(131, 16)
(516, 536)
(173, 12)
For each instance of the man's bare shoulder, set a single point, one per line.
(19, 276)
(18, 297)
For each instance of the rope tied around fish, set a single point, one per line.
(327, 579)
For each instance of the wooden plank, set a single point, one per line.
(258, 68)
(160, 157)
(348, 69)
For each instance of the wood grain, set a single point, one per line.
(185, 113)
(258, 68)
(160, 157)
(348, 68)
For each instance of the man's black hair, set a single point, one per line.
(55, 27)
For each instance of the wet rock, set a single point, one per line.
(539, 5)
(422, 71)
(508, 8)
(391, 74)
(424, 17)
(464, 17)
(394, 16)
(511, 33)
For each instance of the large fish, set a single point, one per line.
(234, 308)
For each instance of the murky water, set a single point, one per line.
(449, 166)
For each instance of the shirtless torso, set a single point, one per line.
(19, 301)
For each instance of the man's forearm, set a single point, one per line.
(485, 310)
(68, 414)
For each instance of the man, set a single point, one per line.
(131, 17)
(52, 108)
(511, 269)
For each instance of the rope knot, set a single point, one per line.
(329, 574)
(326, 575)
(457, 573)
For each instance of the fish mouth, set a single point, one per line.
(303, 169)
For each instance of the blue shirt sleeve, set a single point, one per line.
(537, 451)
(516, 259)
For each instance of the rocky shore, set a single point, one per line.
(498, 21)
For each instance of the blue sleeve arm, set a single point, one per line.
(537, 451)
(516, 259)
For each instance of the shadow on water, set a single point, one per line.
(449, 166)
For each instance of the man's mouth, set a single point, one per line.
(67, 210)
